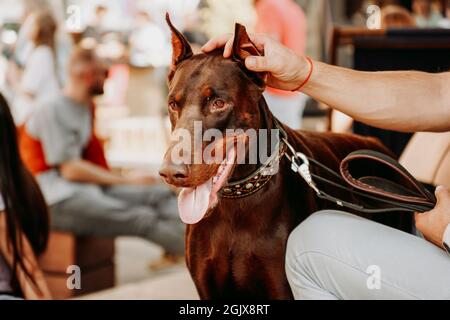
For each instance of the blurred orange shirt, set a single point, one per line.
(286, 22)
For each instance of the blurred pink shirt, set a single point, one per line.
(286, 22)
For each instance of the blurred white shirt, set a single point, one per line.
(39, 79)
(445, 23)
(149, 46)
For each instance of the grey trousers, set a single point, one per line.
(8, 297)
(335, 255)
(129, 210)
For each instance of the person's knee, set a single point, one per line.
(311, 230)
(311, 236)
(315, 233)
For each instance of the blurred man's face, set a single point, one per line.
(95, 79)
(422, 7)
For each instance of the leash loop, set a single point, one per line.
(301, 164)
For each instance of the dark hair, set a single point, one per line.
(25, 209)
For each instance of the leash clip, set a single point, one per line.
(303, 170)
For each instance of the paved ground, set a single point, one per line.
(135, 279)
(177, 285)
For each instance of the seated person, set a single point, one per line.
(24, 221)
(425, 15)
(445, 23)
(394, 16)
(59, 146)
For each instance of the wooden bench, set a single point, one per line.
(94, 256)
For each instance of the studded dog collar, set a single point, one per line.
(259, 178)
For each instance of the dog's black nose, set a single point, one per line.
(174, 173)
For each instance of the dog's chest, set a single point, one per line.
(239, 250)
(239, 254)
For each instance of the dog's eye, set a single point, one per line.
(218, 104)
(173, 106)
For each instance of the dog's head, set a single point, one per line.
(207, 91)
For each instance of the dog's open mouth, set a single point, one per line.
(194, 203)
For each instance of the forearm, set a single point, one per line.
(86, 172)
(402, 101)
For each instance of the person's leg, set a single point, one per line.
(158, 196)
(9, 297)
(91, 212)
(336, 255)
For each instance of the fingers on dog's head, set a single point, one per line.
(217, 42)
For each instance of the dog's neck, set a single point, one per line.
(266, 122)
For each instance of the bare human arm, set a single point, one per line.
(402, 101)
(407, 101)
(87, 172)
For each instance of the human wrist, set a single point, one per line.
(304, 72)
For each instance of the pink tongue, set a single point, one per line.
(194, 203)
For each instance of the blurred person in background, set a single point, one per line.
(193, 31)
(24, 221)
(437, 6)
(23, 43)
(149, 46)
(96, 26)
(285, 21)
(394, 16)
(424, 14)
(59, 146)
(40, 77)
(445, 23)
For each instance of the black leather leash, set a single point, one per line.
(301, 164)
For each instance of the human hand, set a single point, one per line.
(140, 178)
(287, 70)
(433, 224)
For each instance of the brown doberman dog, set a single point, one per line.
(236, 240)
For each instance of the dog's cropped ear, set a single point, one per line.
(243, 47)
(181, 49)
